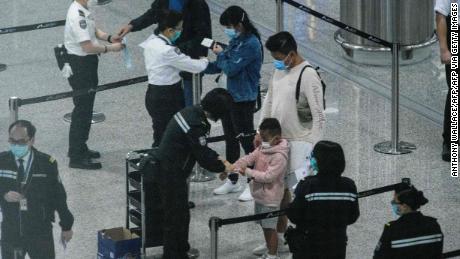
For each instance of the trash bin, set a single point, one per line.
(408, 22)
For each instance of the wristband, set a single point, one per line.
(109, 39)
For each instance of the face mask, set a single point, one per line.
(395, 209)
(176, 36)
(19, 150)
(313, 165)
(265, 145)
(231, 33)
(280, 65)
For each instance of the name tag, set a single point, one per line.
(23, 204)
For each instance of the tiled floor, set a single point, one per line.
(97, 198)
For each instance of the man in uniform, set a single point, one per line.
(81, 40)
(183, 144)
(30, 192)
(196, 27)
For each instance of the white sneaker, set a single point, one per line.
(227, 187)
(262, 249)
(246, 195)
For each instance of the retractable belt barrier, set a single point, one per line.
(223, 137)
(339, 23)
(53, 97)
(229, 221)
(451, 254)
(32, 27)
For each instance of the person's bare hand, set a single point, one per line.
(115, 47)
(257, 141)
(445, 56)
(12, 196)
(217, 49)
(122, 32)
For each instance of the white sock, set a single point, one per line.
(269, 256)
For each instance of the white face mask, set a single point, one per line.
(265, 145)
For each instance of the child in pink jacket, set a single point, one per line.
(270, 161)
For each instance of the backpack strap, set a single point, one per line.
(297, 88)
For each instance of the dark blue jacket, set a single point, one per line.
(241, 62)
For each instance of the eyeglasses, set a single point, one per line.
(18, 141)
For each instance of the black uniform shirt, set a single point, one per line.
(44, 192)
(412, 236)
(184, 143)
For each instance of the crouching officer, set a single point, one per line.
(183, 144)
(324, 205)
(412, 235)
(30, 193)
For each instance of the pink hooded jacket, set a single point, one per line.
(270, 167)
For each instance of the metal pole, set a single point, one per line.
(199, 173)
(214, 227)
(13, 104)
(279, 15)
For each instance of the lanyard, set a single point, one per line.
(27, 175)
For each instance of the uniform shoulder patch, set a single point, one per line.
(83, 24)
(52, 160)
(177, 50)
(81, 13)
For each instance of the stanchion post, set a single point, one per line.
(214, 227)
(13, 104)
(199, 174)
(394, 146)
(279, 15)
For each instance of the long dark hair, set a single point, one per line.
(234, 15)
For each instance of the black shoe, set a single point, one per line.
(93, 154)
(86, 164)
(445, 152)
(191, 205)
(193, 253)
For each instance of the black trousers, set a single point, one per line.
(240, 120)
(173, 191)
(37, 247)
(84, 77)
(162, 102)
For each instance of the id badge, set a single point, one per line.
(23, 204)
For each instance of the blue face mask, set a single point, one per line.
(19, 150)
(279, 64)
(395, 209)
(176, 36)
(314, 165)
(231, 33)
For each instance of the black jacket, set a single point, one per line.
(323, 207)
(184, 143)
(196, 26)
(412, 236)
(44, 192)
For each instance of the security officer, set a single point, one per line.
(31, 191)
(197, 26)
(413, 235)
(324, 205)
(163, 63)
(183, 144)
(81, 42)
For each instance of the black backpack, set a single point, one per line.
(297, 90)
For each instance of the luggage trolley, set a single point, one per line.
(142, 205)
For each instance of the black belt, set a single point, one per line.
(176, 84)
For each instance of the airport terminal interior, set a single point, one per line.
(358, 116)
